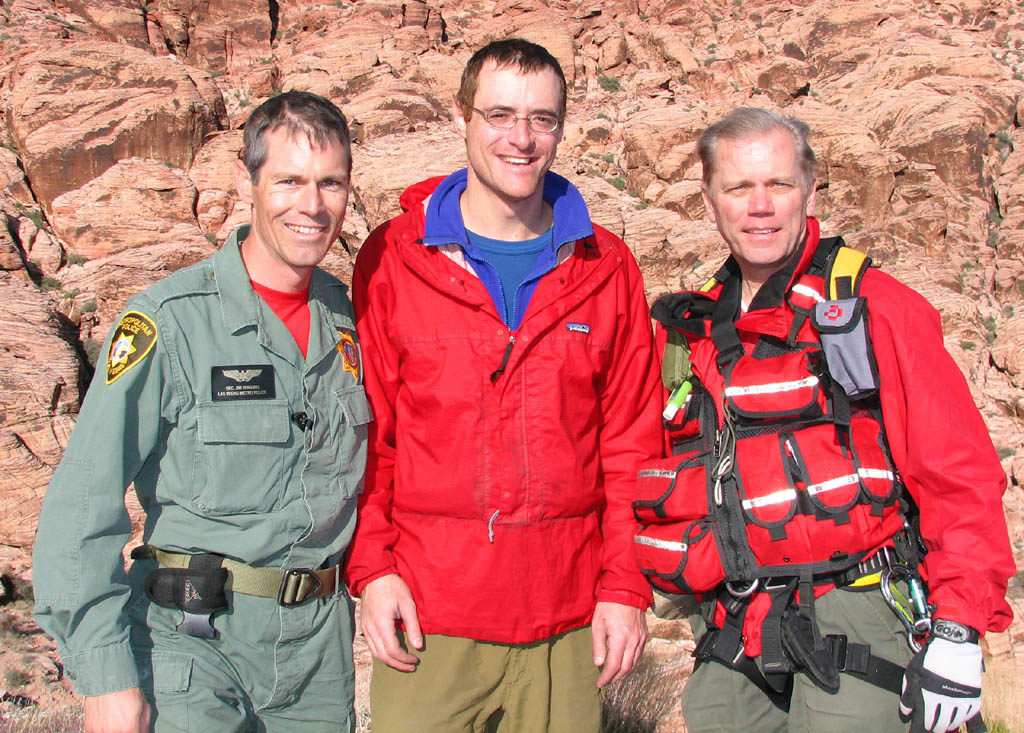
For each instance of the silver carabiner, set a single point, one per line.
(746, 592)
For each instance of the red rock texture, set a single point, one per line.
(121, 121)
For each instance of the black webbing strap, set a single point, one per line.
(777, 668)
(857, 661)
(723, 329)
(725, 646)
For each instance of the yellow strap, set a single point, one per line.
(848, 262)
(866, 580)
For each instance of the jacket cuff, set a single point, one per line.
(356, 585)
(102, 670)
(625, 598)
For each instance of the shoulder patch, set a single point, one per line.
(349, 352)
(133, 339)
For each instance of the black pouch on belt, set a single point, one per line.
(807, 650)
(197, 590)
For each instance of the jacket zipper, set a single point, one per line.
(504, 359)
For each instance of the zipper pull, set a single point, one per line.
(504, 359)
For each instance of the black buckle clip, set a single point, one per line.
(291, 584)
(849, 657)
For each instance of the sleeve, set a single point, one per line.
(942, 449)
(370, 553)
(81, 588)
(631, 433)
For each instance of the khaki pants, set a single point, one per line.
(466, 685)
(717, 699)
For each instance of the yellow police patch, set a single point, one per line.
(349, 352)
(133, 339)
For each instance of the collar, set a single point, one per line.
(238, 301)
(570, 220)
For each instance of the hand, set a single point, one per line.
(620, 633)
(942, 686)
(384, 601)
(118, 712)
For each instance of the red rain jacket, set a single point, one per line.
(505, 505)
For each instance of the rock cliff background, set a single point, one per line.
(121, 122)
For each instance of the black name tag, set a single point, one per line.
(247, 382)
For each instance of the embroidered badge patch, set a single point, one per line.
(247, 382)
(349, 352)
(133, 339)
(578, 327)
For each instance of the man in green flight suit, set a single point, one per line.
(232, 396)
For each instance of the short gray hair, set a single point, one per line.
(301, 113)
(744, 123)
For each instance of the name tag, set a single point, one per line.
(248, 382)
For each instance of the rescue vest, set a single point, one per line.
(780, 465)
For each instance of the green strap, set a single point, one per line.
(262, 582)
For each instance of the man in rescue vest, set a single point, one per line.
(232, 398)
(511, 371)
(816, 421)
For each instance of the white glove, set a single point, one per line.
(942, 686)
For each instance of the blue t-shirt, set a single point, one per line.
(512, 263)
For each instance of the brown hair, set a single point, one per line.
(527, 57)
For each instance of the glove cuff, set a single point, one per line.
(955, 632)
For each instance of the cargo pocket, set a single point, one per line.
(166, 682)
(241, 453)
(672, 489)
(782, 387)
(679, 557)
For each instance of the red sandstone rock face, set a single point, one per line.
(121, 127)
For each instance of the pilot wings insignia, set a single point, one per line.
(242, 375)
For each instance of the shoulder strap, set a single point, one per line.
(843, 272)
(675, 362)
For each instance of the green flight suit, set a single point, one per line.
(200, 404)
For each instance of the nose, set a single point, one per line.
(520, 133)
(760, 202)
(311, 200)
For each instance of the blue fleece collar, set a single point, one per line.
(444, 223)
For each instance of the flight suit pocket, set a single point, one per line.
(242, 449)
(166, 681)
(350, 453)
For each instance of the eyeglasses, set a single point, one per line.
(502, 119)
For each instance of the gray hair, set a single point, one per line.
(744, 123)
(300, 113)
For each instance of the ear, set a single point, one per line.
(708, 208)
(812, 199)
(457, 119)
(243, 183)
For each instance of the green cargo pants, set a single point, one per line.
(270, 668)
(717, 699)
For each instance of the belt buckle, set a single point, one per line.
(290, 584)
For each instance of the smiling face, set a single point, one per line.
(298, 207)
(507, 167)
(759, 199)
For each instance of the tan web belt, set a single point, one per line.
(290, 587)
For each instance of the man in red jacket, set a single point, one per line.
(509, 364)
(822, 409)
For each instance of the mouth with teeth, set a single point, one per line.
(307, 230)
(515, 160)
(762, 231)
